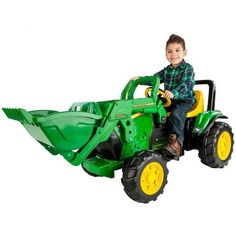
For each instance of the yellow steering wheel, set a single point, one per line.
(161, 92)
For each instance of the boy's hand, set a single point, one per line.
(169, 94)
(134, 78)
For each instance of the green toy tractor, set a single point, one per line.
(129, 133)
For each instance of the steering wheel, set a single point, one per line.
(161, 93)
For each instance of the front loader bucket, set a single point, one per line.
(64, 131)
(18, 114)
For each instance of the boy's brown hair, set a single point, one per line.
(175, 39)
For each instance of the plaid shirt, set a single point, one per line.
(179, 81)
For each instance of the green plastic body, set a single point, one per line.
(76, 133)
(204, 121)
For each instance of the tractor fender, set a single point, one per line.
(205, 120)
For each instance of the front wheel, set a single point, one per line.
(217, 146)
(144, 177)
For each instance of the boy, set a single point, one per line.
(178, 79)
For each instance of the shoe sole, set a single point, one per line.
(169, 155)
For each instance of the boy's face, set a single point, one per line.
(175, 54)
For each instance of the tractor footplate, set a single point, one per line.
(168, 155)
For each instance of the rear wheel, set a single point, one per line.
(144, 177)
(217, 146)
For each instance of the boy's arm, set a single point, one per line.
(160, 74)
(187, 84)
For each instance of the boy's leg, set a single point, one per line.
(175, 125)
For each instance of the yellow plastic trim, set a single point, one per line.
(136, 115)
(147, 92)
(168, 101)
(198, 106)
(144, 105)
(224, 145)
(152, 178)
(147, 95)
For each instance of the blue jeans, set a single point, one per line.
(176, 121)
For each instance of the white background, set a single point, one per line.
(54, 53)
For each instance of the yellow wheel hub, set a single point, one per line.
(224, 145)
(152, 178)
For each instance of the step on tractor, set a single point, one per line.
(129, 134)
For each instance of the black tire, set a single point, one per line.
(144, 177)
(217, 145)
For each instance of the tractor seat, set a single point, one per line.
(198, 106)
